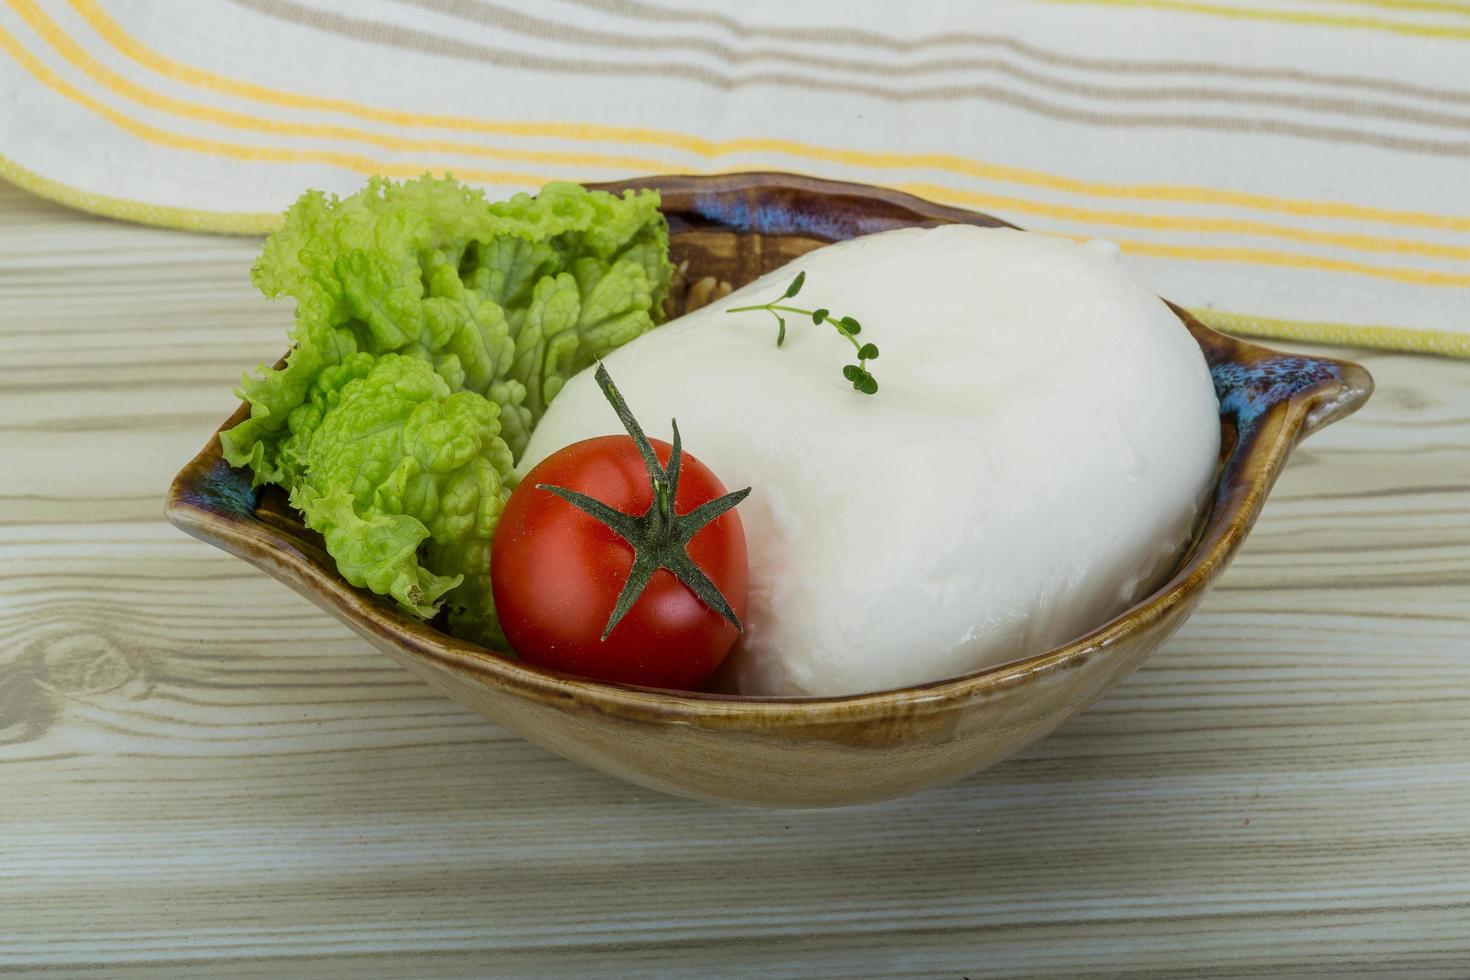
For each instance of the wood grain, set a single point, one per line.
(201, 773)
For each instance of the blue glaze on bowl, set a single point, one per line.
(744, 215)
(777, 216)
(1247, 390)
(223, 490)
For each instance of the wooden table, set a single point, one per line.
(201, 772)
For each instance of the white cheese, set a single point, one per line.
(1044, 435)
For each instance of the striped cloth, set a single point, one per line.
(1294, 168)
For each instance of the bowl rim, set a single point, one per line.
(1303, 412)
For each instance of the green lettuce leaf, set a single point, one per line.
(405, 480)
(432, 329)
(379, 552)
(574, 319)
(323, 395)
(274, 393)
(430, 268)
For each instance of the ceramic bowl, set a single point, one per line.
(726, 231)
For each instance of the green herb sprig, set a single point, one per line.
(858, 374)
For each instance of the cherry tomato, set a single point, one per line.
(557, 571)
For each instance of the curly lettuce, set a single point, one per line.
(430, 268)
(405, 481)
(432, 330)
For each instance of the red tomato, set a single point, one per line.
(556, 571)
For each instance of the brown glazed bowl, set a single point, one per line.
(727, 230)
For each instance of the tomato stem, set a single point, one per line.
(659, 536)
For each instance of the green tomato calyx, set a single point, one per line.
(659, 536)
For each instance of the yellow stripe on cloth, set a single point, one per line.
(1339, 334)
(1418, 6)
(1284, 16)
(186, 219)
(707, 149)
(1260, 256)
(1407, 339)
(368, 166)
(265, 154)
(1185, 223)
(244, 223)
(79, 58)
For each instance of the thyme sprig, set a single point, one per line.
(857, 374)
